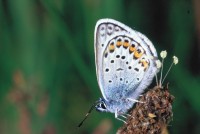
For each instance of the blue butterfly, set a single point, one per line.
(125, 66)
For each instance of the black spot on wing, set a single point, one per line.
(107, 70)
(136, 69)
(119, 69)
(123, 57)
(117, 56)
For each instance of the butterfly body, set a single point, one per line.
(125, 65)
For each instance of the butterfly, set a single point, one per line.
(125, 66)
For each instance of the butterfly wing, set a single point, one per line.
(122, 59)
(104, 29)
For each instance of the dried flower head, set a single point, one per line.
(150, 117)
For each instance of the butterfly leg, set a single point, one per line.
(134, 100)
(128, 115)
(117, 117)
(123, 116)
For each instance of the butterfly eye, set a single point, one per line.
(102, 105)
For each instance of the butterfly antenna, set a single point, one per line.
(167, 72)
(158, 66)
(163, 55)
(175, 61)
(161, 73)
(156, 79)
(90, 110)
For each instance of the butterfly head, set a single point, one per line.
(101, 105)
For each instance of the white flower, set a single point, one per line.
(175, 60)
(163, 54)
(158, 64)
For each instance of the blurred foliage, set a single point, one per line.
(47, 69)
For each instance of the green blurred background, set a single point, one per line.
(47, 69)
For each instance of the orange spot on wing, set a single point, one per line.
(111, 47)
(132, 49)
(144, 63)
(119, 43)
(137, 54)
(126, 44)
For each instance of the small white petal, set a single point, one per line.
(175, 60)
(163, 54)
(158, 64)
